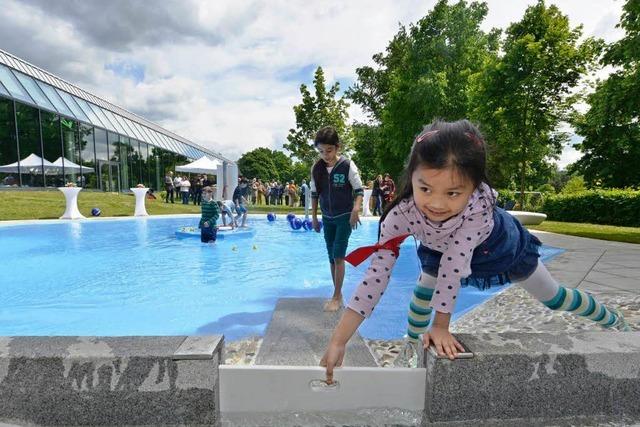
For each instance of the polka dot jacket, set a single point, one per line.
(456, 238)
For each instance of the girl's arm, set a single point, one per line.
(334, 355)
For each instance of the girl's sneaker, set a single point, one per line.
(621, 324)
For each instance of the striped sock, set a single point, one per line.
(419, 312)
(582, 304)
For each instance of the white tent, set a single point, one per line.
(207, 166)
(31, 164)
(70, 167)
(202, 165)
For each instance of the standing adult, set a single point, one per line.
(197, 190)
(388, 190)
(376, 195)
(185, 186)
(168, 187)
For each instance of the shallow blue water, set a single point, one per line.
(133, 277)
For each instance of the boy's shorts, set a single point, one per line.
(336, 235)
(208, 234)
(241, 209)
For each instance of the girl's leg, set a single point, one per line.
(419, 310)
(546, 290)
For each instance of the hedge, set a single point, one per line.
(609, 207)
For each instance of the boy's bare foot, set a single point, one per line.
(333, 305)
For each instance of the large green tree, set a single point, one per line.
(521, 98)
(316, 110)
(611, 127)
(258, 163)
(422, 76)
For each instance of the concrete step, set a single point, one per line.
(298, 333)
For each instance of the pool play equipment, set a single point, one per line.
(271, 217)
(298, 224)
(528, 218)
(291, 216)
(96, 211)
(224, 232)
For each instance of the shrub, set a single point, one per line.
(610, 207)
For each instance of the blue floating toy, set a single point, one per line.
(271, 217)
(291, 216)
(96, 211)
(296, 224)
(307, 224)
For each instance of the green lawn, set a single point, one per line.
(593, 231)
(15, 205)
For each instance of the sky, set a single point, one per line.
(226, 74)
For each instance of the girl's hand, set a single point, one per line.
(206, 224)
(354, 220)
(315, 224)
(333, 357)
(445, 343)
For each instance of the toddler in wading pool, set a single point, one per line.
(447, 204)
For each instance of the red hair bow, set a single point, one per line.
(357, 256)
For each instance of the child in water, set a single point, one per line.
(210, 214)
(335, 182)
(447, 204)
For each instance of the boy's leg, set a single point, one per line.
(546, 290)
(419, 310)
(340, 243)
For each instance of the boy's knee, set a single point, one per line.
(339, 261)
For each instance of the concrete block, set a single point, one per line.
(539, 375)
(107, 381)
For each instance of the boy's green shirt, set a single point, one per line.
(210, 213)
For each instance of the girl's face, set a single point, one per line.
(440, 193)
(328, 153)
(207, 196)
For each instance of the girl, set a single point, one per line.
(334, 181)
(447, 205)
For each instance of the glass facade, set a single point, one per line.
(89, 141)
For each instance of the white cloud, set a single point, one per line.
(230, 80)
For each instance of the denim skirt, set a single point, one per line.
(510, 254)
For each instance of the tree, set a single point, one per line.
(365, 140)
(611, 126)
(316, 111)
(522, 97)
(423, 76)
(258, 163)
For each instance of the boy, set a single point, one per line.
(210, 214)
(334, 183)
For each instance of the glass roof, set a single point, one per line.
(13, 85)
(84, 105)
(36, 93)
(53, 96)
(68, 99)
(3, 90)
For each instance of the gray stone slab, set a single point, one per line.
(541, 375)
(198, 347)
(105, 381)
(298, 334)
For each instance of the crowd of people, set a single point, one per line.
(278, 193)
(185, 189)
